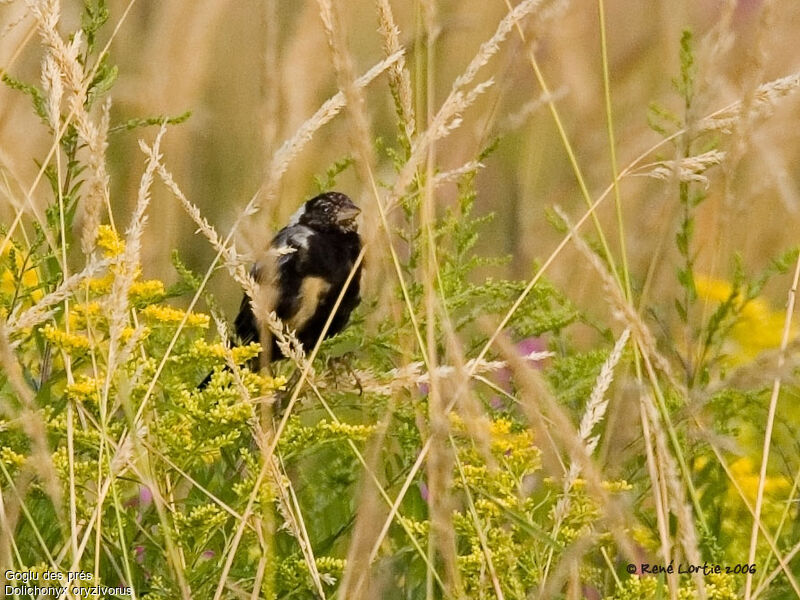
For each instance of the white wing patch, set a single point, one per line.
(295, 218)
(298, 236)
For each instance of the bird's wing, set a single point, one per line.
(290, 246)
(301, 292)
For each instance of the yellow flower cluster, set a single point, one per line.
(147, 292)
(757, 328)
(10, 458)
(19, 278)
(329, 564)
(218, 350)
(161, 313)
(80, 315)
(353, 432)
(84, 390)
(204, 516)
(71, 343)
(108, 241)
(744, 472)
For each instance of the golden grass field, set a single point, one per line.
(619, 390)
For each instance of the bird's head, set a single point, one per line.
(327, 211)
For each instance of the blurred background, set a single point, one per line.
(251, 73)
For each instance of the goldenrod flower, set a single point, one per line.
(109, 241)
(147, 292)
(83, 390)
(71, 343)
(166, 314)
(11, 277)
(101, 285)
(744, 472)
(757, 326)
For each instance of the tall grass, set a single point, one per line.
(617, 395)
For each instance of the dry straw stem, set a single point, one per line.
(646, 344)
(399, 77)
(528, 288)
(97, 193)
(624, 311)
(414, 374)
(539, 406)
(786, 85)
(689, 169)
(687, 534)
(31, 420)
(279, 430)
(128, 267)
(62, 69)
(359, 130)
(764, 97)
(593, 414)
(773, 404)
(448, 117)
(287, 499)
(517, 119)
(455, 175)
(43, 309)
(270, 325)
(290, 509)
(783, 561)
(48, 10)
(479, 528)
(369, 465)
(293, 146)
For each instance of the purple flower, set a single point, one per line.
(145, 496)
(423, 490)
(524, 347)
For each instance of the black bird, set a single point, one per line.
(304, 271)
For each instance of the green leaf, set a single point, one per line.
(95, 15)
(37, 96)
(163, 119)
(103, 80)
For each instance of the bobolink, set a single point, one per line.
(304, 271)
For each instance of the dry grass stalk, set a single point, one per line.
(448, 117)
(128, 266)
(689, 169)
(687, 534)
(537, 401)
(95, 137)
(623, 310)
(357, 577)
(399, 77)
(32, 421)
(43, 309)
(292, 147)
(647, 345)
(773, 403)
(593, 414)
(414, 374)
(454, 175)
(517, 119)
(293, 517)
(282, 485)
(763, 99)
(235, 263)
(53, 88)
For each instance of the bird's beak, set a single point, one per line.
(348, 213)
